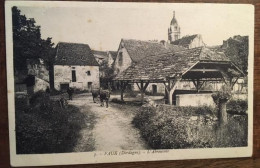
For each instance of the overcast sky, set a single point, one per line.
(103, 26)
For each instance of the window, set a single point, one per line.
(175, 28)
(120, 58)
(89, 85)
(88, 73)
(73, 76)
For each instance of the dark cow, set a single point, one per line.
(104, 95)
(95, 93)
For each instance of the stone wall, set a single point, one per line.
(126, 61)
(63, 75)
(197, 42)
(194, 100)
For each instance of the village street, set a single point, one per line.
(112, 128)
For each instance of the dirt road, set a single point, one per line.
(112, 128)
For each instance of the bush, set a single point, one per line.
(45, 127)
(169, 127)
(237, 107)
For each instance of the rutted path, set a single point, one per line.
(112, 129)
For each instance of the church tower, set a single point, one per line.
(174, 31)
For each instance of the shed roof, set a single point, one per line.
(138, 49)
(74, 54)
(160, 67)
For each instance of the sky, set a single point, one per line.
(103, 25)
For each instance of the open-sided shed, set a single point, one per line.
(197, 65)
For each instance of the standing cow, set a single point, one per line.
(104, 95)
(95, 93)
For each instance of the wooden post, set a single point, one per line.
(123, 87)
(142, 92)
(122, 91)
(172, 84)
(142, 89)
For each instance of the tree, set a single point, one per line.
(107, 75)
(27, 41)
(221, 98)
(237, 51)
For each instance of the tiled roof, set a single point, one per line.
(208, 54)
(186, 40)
(138, 49)
(101, 53)
(113, 54)
(74, 54)
(159, 67)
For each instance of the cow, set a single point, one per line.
(95, 93)
(104, 95)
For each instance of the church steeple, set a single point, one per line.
(174, 31)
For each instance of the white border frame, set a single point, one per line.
(98, 156)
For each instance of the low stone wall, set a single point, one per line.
(194, 100)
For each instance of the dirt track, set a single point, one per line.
(112, 129)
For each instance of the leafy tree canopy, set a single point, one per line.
(27, 41)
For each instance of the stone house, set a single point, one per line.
(111, 58)
(132, 51)
(104, 58)
(75, 66)
(189, 42)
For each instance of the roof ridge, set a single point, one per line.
(157, 42)
(71, 43)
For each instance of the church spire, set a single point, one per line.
(174, 29)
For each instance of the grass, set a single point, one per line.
(45, 127)
(169, 127)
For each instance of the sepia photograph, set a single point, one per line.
(93, 82)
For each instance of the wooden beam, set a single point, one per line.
(145, 86)
(204, 70)
(233, 83)
(166, 87)
(138, 85)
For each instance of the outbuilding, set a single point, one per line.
(75, 66)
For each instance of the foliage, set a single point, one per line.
(237, 52)
(237, 106)
(169, 127)
(223, 95)
(27, 41)
(45, 127)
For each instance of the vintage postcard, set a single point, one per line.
(97, 82)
